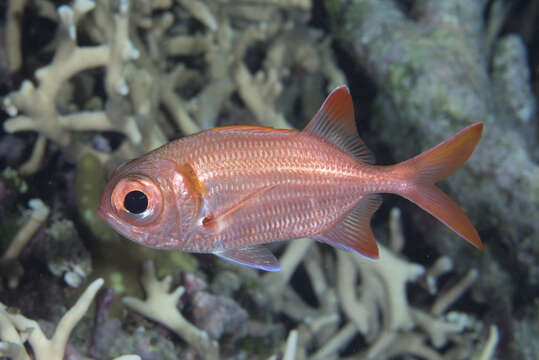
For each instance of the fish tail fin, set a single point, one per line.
(434, 165)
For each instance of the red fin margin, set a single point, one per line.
(434, 165)
(335, 123)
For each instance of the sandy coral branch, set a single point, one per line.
(73, 315)
(11, 269)
(380, 295)
(397, 238)
(448, 297)
(11, 343)
(161, 306)
(38, 215)
(291, 346)
(490, 346)
(54, 348)
(303, 4)
(337, 342)
(441, 266)
(201, 12)
(438, 328)
(393, 272)
(411, 343)
(259, 93)
(357, 311)
(177, 108)
(13, 33)
(33, 107)
(291, 258)
(32, 164)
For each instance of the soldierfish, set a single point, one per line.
(228, 190)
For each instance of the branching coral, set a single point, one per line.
(8, 261)
(378, 308)
(13, 33)
(146, 78)
(161, 306)
(16, 329)
(34, 108)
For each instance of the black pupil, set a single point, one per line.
(136, 202)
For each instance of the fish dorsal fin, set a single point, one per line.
(354, 232)
(257, 257)
(335, 123)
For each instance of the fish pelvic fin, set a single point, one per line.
(434, 165)
(257, 257)
(354, 232)
(335, 123)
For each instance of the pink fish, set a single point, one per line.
(228, 190)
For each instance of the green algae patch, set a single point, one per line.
(89, 183)
(14, 181)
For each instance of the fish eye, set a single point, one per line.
(136, 202)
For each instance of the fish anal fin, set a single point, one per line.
(335, 123)
(354, 232)
(257, 257)
(217, 222)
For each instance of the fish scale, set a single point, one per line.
(288, 199)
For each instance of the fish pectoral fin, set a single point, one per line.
(354, 233)
(217, 222)
(257, 257)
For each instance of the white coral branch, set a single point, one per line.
(38, 215)
(44, 348)
(33, 108)
(161, 305)
(490, 346)
(201, 12)
(382, 294)
(448, 297)
(127, 357)
(295, 252)
(11, 342)
(291, 346)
